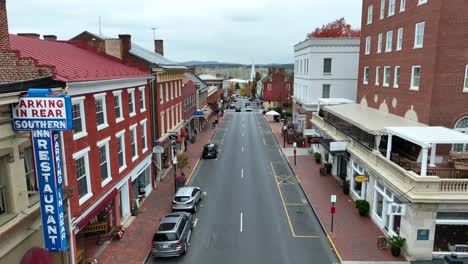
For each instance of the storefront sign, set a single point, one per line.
(42, 113)
(361, 178)
(423, 234)
(338, 145)
(311, 132)
(198, 113)
(396, 209)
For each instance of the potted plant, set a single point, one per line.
(118, 232)
(396, 243)
(345, 186)
(317, 157)
(135, 208)
(363, 207)
(328, 167)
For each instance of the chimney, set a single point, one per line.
(4, 37)
(159, 46)
(30, 35)
(50, 37)
(126, 40)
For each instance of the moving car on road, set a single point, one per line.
(248, 108)
(238, 109)
(210, 150)
(187, 199)
(172, 236)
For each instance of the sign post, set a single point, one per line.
(295, 145)
(44, 113)
(332, 210)
(284, 136)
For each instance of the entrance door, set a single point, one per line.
(342, 168)
(124, 201)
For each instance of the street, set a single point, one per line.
(253, 210)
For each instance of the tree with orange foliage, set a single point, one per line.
(336, 29)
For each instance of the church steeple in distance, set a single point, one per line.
(252, 72)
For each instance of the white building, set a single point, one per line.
(324, 68)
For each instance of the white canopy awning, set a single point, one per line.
(272, 113)
(334, 101)
(426, 136)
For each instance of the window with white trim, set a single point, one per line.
(382, 9)
(121, 150)
(83, 176)
(379, 43)
(386, 80)
(133, 142)
(327, 66)
(462, 127)
(402, 5)
(144, 141)
(396, 77)
(391, 7)
(366, 75)
(142, 99)
(167, 92)
(269, 86)
(177, 114)
(78, 114)
(118, 106)
(326, 91)
(180, 88)
(421, 2)
(131, 101)
(101, 111)
(5, 189)
(162, 122)
(419, 35)
(465, 84)
(168, 120)
(161, 95)
(104, 161)
(415, 77)
(171, 88)
(388, 41)
(370, 10)
(377, 75)
(31, 183)
(368, 45)
(173, 117)
(399, 44)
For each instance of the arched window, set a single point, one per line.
(461, 126)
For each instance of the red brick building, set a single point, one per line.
(277, 88)
(166, 98)
(189, 93)
(413, 60)
(107, 156)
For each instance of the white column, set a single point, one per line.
(424, 161)
(433, 155)
(389, 146)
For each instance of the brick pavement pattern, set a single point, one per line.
(354, 237)
(136, 243)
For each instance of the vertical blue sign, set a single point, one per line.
(53, 219)
(42, 112)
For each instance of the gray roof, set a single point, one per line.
(153, 57)
(196, 80)
(331, 42)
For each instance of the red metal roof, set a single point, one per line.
(73, 63)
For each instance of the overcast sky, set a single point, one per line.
(223, 30)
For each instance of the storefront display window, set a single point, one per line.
(383, 199)
(379, 200)
(451, 238)
(358, 188)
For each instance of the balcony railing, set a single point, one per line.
(443, 184)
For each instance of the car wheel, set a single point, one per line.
(194, 210)
(184, 251)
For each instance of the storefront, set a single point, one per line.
(334, 152)
(358, 189)
(124, 200)
(141, 184)
(387, 209)
(451, 233)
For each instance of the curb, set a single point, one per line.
(337, 254)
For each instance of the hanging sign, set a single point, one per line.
(361, 178)
(396, 209)
(42, 113)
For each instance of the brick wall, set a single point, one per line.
(13, 68)
(4, 39)
(279, 87)
(404, 98)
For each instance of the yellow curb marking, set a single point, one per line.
(334, 248)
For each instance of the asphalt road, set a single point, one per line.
(253, 210)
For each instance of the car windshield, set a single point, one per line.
(162, 237)
(166, 226)
(182, 198)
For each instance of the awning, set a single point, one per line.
(97, 209)
(426, 136)
(326, 143)
(368, 119)
(206, 112)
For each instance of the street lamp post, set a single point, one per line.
(175, 165)
(295, 151)
(284, 136)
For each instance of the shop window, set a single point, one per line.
(379, 202)
(451, 238)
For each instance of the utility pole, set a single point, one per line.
(100, 31)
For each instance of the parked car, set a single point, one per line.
(247, 104)
(210, 150)
(232, 106)
(251, 99)
(173, 235)
(187, 199)
(248, 108)
(238, 109)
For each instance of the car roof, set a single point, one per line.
(210, 145)
(185, 191)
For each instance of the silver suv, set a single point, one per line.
(187, 199)
(173, 235)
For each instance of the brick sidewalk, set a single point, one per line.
(354, 237)
(136, 244)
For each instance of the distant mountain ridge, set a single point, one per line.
(228, 64)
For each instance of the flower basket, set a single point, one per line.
(118, 232)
